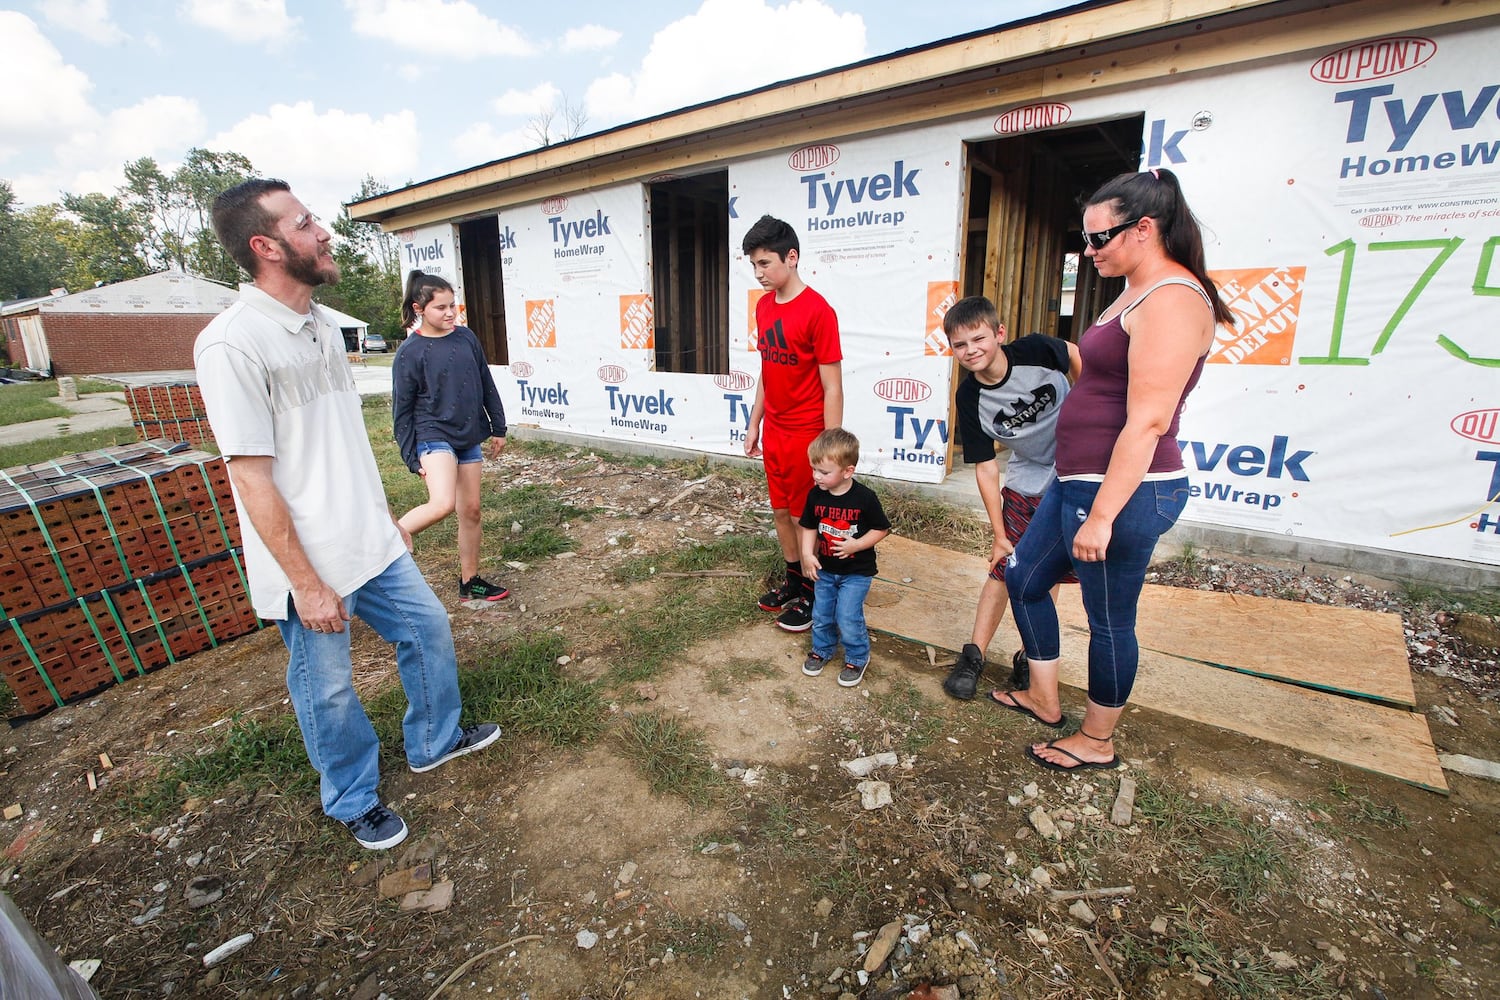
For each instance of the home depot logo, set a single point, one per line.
(541, 323)
(637, 329)
(554, 206)
(1478, 425)
(1373, 60)
(735, 381)
(902, 390)
(813, 157)
(611, 374)
(522, 369)
(1033, 117)
(1266, 302)
(754, 334)
(940, 298)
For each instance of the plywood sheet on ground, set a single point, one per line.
(1369, 736)
(1346, 650)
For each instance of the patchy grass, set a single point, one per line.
(25, 401)
(727, 552)
(693, 937)
(673, 757)
(1431, 598)
(1490, 913)
(651, 635)
(1189, 559)
(31, 452)
(736, 672)
(1360, 808)
(927, 520)
(903, 705)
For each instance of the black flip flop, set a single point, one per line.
(1016, 706)
(1082, 765)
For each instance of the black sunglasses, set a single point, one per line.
(1101, 239)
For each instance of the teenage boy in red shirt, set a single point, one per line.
(800, 392)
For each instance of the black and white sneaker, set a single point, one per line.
(378, 829)
(477, 588)
(470, 738)
(963, 680)
(851, 675)
(778, 599)
(813, 665)
(797, 616)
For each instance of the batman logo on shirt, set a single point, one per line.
(1008, 425)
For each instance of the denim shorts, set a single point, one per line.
(466, 456)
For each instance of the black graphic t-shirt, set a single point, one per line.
(853, 515)
(1019, 412)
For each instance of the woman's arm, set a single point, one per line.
(1169, 331)
(403, 407)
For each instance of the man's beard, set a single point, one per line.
(310, 269)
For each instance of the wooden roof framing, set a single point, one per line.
(1076, 51)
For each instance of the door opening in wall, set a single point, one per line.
(690, 273)
(481, 256)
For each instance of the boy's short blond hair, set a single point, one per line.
(837, 444)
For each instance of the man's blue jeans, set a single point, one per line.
(839, 614)
(341, 744)
(1111, 588)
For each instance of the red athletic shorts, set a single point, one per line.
(1017, 515)
(788, 470)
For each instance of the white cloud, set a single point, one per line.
(527, 102)
(43, 114)
(481, 143)
(323, 155)
(89, 18)
(462, 30)
(157, 126)
(410, 72)
(244, 20)
(589, 38)
(727, 46)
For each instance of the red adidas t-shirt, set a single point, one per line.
(794, 338)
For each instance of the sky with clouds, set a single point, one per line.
(324, 92)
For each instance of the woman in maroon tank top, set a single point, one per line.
(1120, 478)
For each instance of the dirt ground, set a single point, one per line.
(1246, 869)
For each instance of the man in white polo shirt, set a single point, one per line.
(320, 542)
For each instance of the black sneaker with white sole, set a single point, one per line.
(778, 599)
(797, 616)
(470, 738)
(477, 588)
(378, 829)
(813, 665)
(851, 675)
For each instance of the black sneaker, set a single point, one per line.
(813, 665)
(778, 599)
(797, 616)
(1020, 671)
(851, 675)
(470, 738)
(477, 588)
(378, 829)
(963, 680)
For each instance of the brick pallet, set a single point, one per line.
(174, 411)
(114, 563)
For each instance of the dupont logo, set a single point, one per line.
(522, 369)
(1478, 425)
(406, 235)
(554, 206)
(1373, 60)
(813, 157)
(1379, 220)
(902, 390)
(1032, 117)
(735, 381)
(612, 374)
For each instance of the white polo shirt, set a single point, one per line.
(278, 383)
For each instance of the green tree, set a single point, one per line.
(174, 211)
(370, 261)
(108, 241)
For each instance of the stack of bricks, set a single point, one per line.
(114, 563)
(173, 411)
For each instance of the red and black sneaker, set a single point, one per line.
(778, 599)
(477, 588)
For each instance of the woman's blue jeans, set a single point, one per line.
(1111, 588)
(341, 744)
(839, 615)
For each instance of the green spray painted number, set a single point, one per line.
(1445, 249)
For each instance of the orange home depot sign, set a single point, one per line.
(755, 294)
(541, 323)
(940, 298)
(1266, 302)
(637, 326)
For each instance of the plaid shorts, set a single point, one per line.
(1018, 508)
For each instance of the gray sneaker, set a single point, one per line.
(813, 665)
(378, 829)
(851, 675)
(470, 738)
(963, 680)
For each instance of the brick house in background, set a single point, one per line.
(144, 324)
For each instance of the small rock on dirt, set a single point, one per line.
(627, 873)
(1081, 912)
(874, 794)
(433, 900)
(202, 891)
(824, 908)
(862, 767)
(587, 939)
(1124, 807)
(882, 946)
(406, 880)
(1043, 825)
